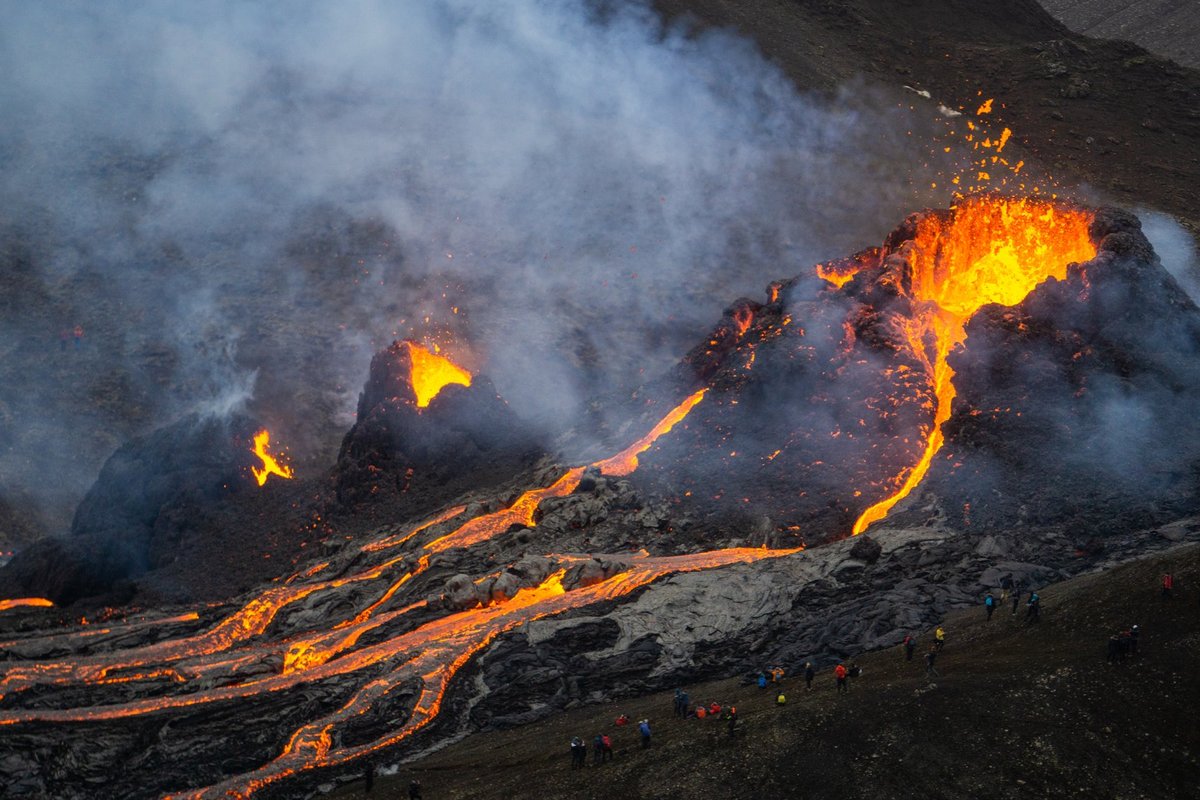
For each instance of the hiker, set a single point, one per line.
(414, 790)
(1133, 640)
(597, 750)
(78, 334)
(368, 777)
(780, 699)
(939, 637)
(776, 674)
(680, 707)
(732, 723)
(701, 713)
(809, 674)
(989, 603)
(840, 673)
(930, 669)
(607, 743)
(1033, 608)
(685, 702)
(910, 644)
(1016, 598)
(1114, 649)
(714, 709)
(622, 720)
(578, 753)
(1168, 583)
(762, 680)
(644, 729)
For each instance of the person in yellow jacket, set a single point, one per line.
(940, 637)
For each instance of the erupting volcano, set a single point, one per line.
(984, 251)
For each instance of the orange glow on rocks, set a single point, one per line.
(270, 465)
(25, 602)
(431, 373)
(987, 250)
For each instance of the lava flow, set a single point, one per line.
(987, 250)
(431, 373)
(25, 602)
(270, 465)
(362, 649)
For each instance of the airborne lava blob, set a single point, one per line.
(271, 466)
(986, 250)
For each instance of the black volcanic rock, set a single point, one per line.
(467, 437)
(152, 494)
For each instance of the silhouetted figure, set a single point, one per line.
(414, 790)
(644, 729)
(930, 669)
(1016, 598)
(910, 644)
(368, 777)
(989, 604)
(939, 637)
(839, 672)
(809, 674)
(1168, 585)
(78, 334)
(1033, 608)
(578, 754)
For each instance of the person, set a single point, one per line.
(853, 671)
(578, 752)
(685, 702)
(622, 720)
(732, 723)
(939, 637)
(701, 712)
(910, 644)
(776, 674)
(597, 750)
(840, 673)
(989, 603)
(780, 699)
(644, 729)
(368, 777)
(930, 658)
(78, 333)
(1114, 648)
(63, 337)
(714, 709)
(809, 674)
(1133, 640)
(607, 743)
(414, 790)
(1016, 598)
(680, 708)
(762, 680)
(1168, 584)
(1033, 611)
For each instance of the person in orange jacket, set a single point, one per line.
(840, 673)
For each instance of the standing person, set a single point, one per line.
(644, 729)
(989, 603)
(685, 702)
(578, 753)
(368, 777)
(607, 742)
(930, 669)
(680, 709)
(414, 790)
(762, 680)
(1133, 640)
(840, 673)
(598, 750)
(909, 645)
(1168, 584)
(809, 674)
(781, 699)
(1033, 608)
(1016, 598)
(732, 721)
(939, 637)
(78, 334)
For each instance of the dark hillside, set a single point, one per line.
(1020, 710)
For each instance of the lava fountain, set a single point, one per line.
(432, 372)
(271, 465)
(985, 250)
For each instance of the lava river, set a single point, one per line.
(406, 652)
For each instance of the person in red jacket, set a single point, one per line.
(840, 673)
(1168, 583)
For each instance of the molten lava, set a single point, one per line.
(431, 373)
(270, 465)
(25, 602)
(987, 250)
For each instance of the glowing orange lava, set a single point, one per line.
(270, 465)
(988, 250)
(626, 461)
(431, 373)
(25, 602)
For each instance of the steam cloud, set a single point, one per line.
(232, 196)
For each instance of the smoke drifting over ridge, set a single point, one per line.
(261, 196)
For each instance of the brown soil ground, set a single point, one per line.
(1020, 711)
